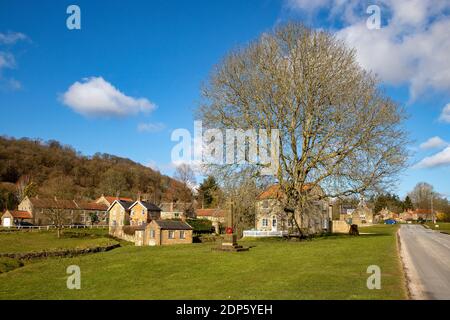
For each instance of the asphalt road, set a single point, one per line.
(426, 257)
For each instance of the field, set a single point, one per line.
(443, 226)
(21, 242)
(325, 268)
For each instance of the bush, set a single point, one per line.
(8, 264)
(130, 230)
(201, 225)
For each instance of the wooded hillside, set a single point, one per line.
(30, 167)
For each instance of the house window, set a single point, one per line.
(182, 235)
(171, 234)
(265, 204)
(152, 234)
(265, 222)
(274, 222)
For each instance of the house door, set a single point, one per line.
(274, 224)
(7, 222)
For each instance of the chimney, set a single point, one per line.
(171, 206)
(139, 196)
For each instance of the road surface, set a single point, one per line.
(426, 257)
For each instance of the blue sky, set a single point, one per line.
(153, 56)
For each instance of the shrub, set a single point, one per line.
(8, 264)
(130, 230)
(201, 225)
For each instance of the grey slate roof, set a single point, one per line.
(125, 204)
(150, 206)
(173, 225)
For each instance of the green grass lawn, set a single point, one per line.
(21, 242)
(326, 268)
(443, 226)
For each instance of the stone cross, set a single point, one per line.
(230, 216)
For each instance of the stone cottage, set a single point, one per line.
(140, 222)
(13, 218)
(271, 217)
(164, 232)
(76, 212)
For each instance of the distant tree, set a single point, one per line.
(61, 187)
(185, 174)
(58, 217)
(113, 182)
(407, 204)
(421, 195)
(209, 193)
(25, 188)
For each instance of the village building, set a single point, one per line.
(108, 200)
(119, 213)
(272, 220)
(143, 212)
(140, 222)
(164, 232)
(417, 215)
(13, 218)
(386, 214)
(75, 212)
(176, 210)
(216, 216)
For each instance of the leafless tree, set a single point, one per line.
(58, 216)
(185, 174)
(338, 131)
(24, 187)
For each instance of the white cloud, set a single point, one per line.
(7, 60)
(96, 97)
(412, 47)
(434, 143)
(445, 115)
(438, 160)
(11, 37)
(150, 127)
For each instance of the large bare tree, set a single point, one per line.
(337, 129)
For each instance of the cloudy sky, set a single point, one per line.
(132, 74)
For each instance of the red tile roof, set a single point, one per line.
(20, 214)
(210, 213)
(273, 192)
(92, 206)
(422, 211)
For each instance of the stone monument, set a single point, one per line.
(230, 239)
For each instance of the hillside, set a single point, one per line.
(29, 167)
